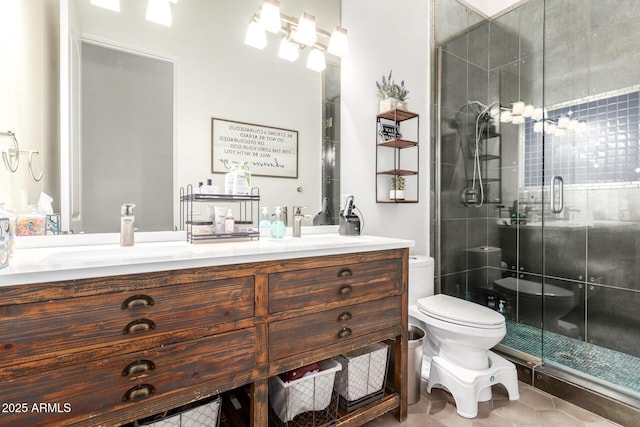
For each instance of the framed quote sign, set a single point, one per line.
(268, 151)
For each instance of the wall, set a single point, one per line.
(28, 95)
(384, 36)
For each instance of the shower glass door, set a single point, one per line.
(592, 192)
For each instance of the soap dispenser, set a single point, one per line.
(265, 221)
(277, 226)
(126, 224)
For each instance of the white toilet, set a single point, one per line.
(456, 354)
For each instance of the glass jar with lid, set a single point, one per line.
(31, 222)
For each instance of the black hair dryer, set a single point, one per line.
(350, 223)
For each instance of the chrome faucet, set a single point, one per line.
(297, 220)
(126, 224)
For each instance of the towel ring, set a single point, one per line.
(30, 164)
(11, 156)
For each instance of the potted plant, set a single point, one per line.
(397, 188)
(391, 94)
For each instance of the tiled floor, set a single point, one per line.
(534, 408)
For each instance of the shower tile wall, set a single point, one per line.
(465, 60)
(590, 50)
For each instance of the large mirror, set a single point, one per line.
(213, 74)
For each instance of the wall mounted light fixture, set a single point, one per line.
(520, 111)
(158, 11)
(297, 35)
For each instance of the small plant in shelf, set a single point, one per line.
(397, 188)
(391, 94)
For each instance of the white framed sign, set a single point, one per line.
(268, 151)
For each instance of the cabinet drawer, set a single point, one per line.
(123, 382)
(306, 333)
(30, 330)
(305, 288)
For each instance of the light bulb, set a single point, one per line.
(270, 16)
(517, 119)
(338, 42)
(288, 50)
(256, 37)
(159, 11)
(537, 127)
(505, 116)
(528, 110)
(563, 122)
(305, 33)
(316, 61)
(518, 108)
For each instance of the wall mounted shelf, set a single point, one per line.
(391, 142)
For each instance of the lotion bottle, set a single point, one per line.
(229, 222)
(277, 226)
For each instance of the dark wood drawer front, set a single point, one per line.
(306, 333)
(306, 288)
(129, 380)
(28, 330)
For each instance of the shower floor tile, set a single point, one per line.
(602, 364)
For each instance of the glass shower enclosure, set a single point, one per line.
(537, 180)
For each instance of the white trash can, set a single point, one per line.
(415, 339)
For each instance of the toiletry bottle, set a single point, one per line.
(242, 180)
(126, 224)
(265, 221)
(229, 180)
(277, 226)
(229, 222)
(219, 218)
(11, 231)
(209, 188)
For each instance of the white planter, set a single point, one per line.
(391, 103)
(396, 194)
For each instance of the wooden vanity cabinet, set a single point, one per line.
(110, 350)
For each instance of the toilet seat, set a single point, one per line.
(533, 289)
(460, 312)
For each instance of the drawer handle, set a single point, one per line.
(139, 325)
(345, 272)
(345, 290)
(139, 392)
(345, 316)
(344, 332)
(138, 367)
(137, 301)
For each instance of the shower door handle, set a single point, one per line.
(557, 205)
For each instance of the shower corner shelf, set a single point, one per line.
(246, 212)
(490, 156)
(390, 143)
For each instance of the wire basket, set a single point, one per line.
(308, 401)
(363, 376)
(204, 413)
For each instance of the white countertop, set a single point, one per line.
(36, 265)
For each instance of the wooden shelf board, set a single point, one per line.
(397, 115)
(403, 172)
(397, 201)
(398, 143)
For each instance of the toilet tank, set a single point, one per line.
(420, 277)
